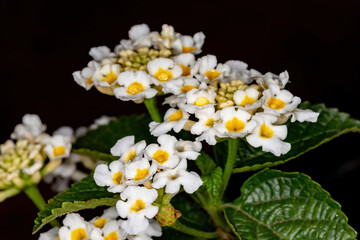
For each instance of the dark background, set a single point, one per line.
(43, 42)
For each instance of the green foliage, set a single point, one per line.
(205, 163)
(278, 205)
(302, 137)
(213, 183)
(82, 195)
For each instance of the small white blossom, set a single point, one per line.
(139, 35)
(139, 171)
(103, 120)
(163, 70)
(84, 77)
(198, 98)
(175, 100)
(30, 128)
(111, 231)
(52, 234)
(247, 99)
(58, 147)
(180, 85)
(205, 126)
(99, 53)
(188, 44)
(174, 119)
(108, 215)
(75, 227)
(234, 123)
(303, 115)
(188, 149)
(267, 135)
(164, 155)
(239, 71)
(127, 150)
(210, 70)
(187, 62)
(174, 178)
(112, 176)
(106, 75)
(137, 209)
(269, 78)
(153, 230)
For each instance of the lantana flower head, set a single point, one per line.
(112, 176)
(174, 119)
(163, 70)
(75, 227)
(127, 149)
(174, 178)
(163, 155)
(134, 86)
(267, 135)
(137, 209)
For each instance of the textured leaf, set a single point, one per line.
(302, 137)
(278, 205)
(205, 163)
(82, 195)
(97, 143)
(213, 183)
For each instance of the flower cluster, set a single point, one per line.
(143, 168)
(105, 227)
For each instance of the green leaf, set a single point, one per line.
(97, 143)
(278, 205)
(82, 195)
(205, 163)
(191, 213)
(171, 234)
(302, 137)
(213, 183)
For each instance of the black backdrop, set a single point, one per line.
(43, 42)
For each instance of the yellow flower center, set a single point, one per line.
(176, 116)
(188, 49)
(161, 156)
(135, 88)
(247, 100)
(141, 174)
(201, 101)
(117, 178)
(137, 206)
(89, 81)
(57, 238)
(265, 131)
(58, 151)
(235, 125)
(99, 223)
(210, 123)
(275, 103)
(78, 234)
(186, 71)
(110, 78)
(130, 156)
(163, 75)
(112, 236)
(187, 88)
(212, 74)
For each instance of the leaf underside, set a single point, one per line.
(278, 205)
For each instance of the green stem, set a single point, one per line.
(152, 108)
(34, 194)
(233, 144)
(193, 232)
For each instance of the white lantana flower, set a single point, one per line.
(188, 44)
(175, 100)
(180, 85)
(30, 128)
(103, 120)
(111, 231)
(153, 230)
(65, 131)
(75, 227)
(239, 71)
(267, 135)
(139, 35)
(174, 119)
(164, 155)
(58, 147)
(269, 78)
(137, 209)
(198, 98)
(101, 52)
(127, 150)
(209, 69)
(247, 98)
(84, 77)
(234, 123)
(187, 62)
(139, 171)
(277, 101)
(188, 149)
(52, 234)
(134, 86)
(108, 215)
(205, 126)
(303, 115)
(106, 75)
(112, 176)
(174, 178)
(163, 70)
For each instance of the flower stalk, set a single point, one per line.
(194, 232)
(153, 110)
(233, 144)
